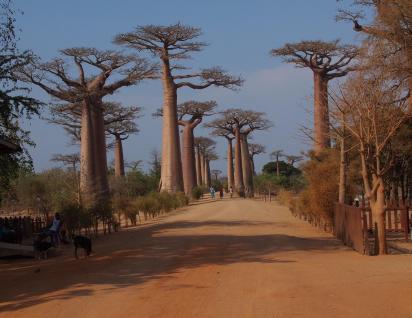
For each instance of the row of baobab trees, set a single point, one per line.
(80, 78)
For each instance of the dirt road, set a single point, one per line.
(231, 258)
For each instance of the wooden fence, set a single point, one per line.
(23, 226)
(397, 220)
(350, 226)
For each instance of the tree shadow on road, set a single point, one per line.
(133, 257)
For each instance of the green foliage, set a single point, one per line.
(271, 182)
(197, 192)
(14, 100)
(285, 169)
(45, 192)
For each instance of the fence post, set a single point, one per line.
(405, 222)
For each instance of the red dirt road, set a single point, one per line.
(230, 258)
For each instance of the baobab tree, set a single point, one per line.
(276, 155)
(87, 89)
(190, 115)
(210, 155)
(240, 123)
(216, 173)
(327, 60)
(233, 120)
(255, 121)
(291, 159)
(120, 122)
(228, 135)
(206, 152)
(174, 43)
(254, 150)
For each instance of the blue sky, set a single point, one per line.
(240, 35)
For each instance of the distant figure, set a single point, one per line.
(221, 193)
(231, 192)
(357, 202)
(54, 229)
(212, 192)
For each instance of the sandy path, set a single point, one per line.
(234, 258)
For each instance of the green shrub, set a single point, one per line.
(197, 193)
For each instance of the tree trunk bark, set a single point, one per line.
(99, 142)
(118, 157)
(239, 185)
(246, 166)
(277, 166)
(230, 175)
(198, 168)
(252, 163)
(342, 172)
(188, 160)
(378, 212)
(207, 173)
(202, 168)
(171, 172)
(409, 109)
(87, 158)
(321, 113)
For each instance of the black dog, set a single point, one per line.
(41, 247)
(82, 242)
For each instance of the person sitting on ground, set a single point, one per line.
(54, 229)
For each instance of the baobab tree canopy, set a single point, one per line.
(176, 42)
(332, 59)
(55, 76)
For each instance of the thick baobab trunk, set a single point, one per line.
(410, 96)
(99, 142)
(188, 160)
(207, 173)
(171, 172)
(239, 185)
(252, 163)
(87, 158)
(198, 168)
(342, 172)
(321, 113)
(246, 166)
(230, 175)
(118, 157)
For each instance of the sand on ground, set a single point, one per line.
(229, 258)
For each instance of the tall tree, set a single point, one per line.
(327, 60)
(87, 89)
(190, 115)
(206, 150)
(228, 135)
(277, 154)
(374, 112)
(15, 101)
(120, 122)
(174, 43)
(392, 25)
(254, 150)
